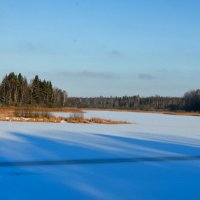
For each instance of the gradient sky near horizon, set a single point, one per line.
(104, 47)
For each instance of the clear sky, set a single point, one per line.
(104, 47)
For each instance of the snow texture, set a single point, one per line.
(155, 157)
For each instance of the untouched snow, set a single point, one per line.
(151, 137)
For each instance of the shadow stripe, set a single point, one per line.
(98, 161)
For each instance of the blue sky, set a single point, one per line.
(104, 47)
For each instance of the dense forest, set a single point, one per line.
(189, 102)
(15, 90)
(129, 102)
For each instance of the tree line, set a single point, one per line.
(189, 102)
(15, 90)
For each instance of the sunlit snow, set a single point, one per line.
(175, 140)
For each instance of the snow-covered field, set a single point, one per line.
(88, 161)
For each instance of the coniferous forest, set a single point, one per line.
(15, 90)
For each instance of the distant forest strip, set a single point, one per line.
(190, 102)
(15, 90)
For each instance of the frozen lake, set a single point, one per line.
(155, 157)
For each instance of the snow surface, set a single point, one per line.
(173, 139)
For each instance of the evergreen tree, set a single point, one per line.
(15, 90)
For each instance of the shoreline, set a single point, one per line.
(11, 110)
(179, 113)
